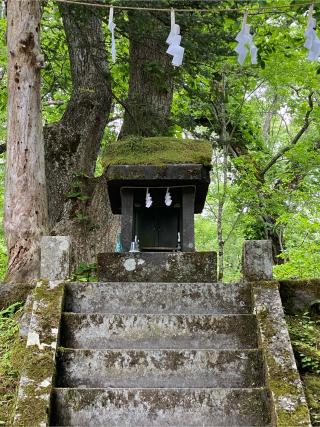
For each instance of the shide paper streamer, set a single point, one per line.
(244, 38)
(148, 199)
(167, 198)
(245, 43)
(312, 40)
(174, 40)
(112, 26)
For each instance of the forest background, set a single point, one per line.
(252, 115)
(263, 122)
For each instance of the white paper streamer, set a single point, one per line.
(148, 199)
(245, 43)
(174, 40)
(312, 42)
(112, 26)
(167, 198)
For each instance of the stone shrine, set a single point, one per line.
(159, 227)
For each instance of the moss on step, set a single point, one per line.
(282, 378)
(38, 356)
(294, 418)
(312, 389)
(157, 151)
(284, 383)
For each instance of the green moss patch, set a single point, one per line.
(10, 346)
(157, 151)
(305, 338)
(38, 361)
(312, 389)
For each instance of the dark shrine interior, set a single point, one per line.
(157, 227)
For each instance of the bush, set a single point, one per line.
(305, 338)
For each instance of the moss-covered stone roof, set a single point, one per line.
(157, 151)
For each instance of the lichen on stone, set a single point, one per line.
(38, 357)
(282, 378)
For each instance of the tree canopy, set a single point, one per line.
(262, 120)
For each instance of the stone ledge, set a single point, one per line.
(289, 407)
(257, 261)
(158, 267)
(297, 295)
(33, 399)
(55, 257)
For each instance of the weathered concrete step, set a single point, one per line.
(132, 298)
(159, 368)
(160, 407)
(156, 331)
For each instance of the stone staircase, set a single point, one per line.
(159, 354)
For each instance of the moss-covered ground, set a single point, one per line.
(305, 338)
(10, 362)
(312, 389)
(157, 151)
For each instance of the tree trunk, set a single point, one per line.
(72, 145)
(150, 77)
(222, 200)
(91, 223)
(25, 191)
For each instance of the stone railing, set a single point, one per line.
(289, 407)
(40, 327)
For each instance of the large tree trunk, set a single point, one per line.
(73, 144)
(150, 77)
(25, 193)
(91, 224)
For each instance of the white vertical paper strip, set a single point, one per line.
(174, 40)
(148, 199)
(112, 26)
(245, 43)
(312, 42)
(167, 198)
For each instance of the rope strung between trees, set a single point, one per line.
(244, 38)
(249, 10)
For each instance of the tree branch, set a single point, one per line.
(294, 141)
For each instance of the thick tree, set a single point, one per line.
(25, 193)
(147, 108)
(78, 202)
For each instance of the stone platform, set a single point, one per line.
(185, 267)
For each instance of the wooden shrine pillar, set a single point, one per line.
(187, 219)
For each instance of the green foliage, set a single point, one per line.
(9, 374)
(56, 76)
(304, 332)
(206, 233)
(85, 273)
(312, 390)
(3, 82)
(302, 234)
(3, 248)
(305, 338)
(81, 216)
(157, 151)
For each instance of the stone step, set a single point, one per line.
(158, 331)
(160, 407)
(159, 368)
(133, 298)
